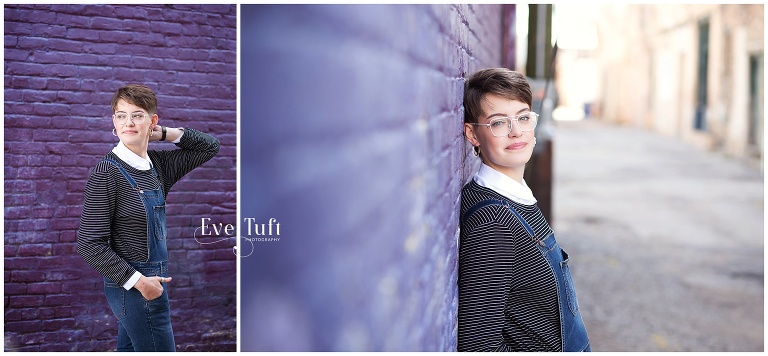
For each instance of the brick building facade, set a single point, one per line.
(62, 65)
(352, 140)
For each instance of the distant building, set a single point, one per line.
(694, 72)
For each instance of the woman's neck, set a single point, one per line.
(516, 173)
(140, 149)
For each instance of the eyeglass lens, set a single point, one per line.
(503, 126)
(136, 117)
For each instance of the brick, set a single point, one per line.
(135, 25)
(64, 261)
(82, 34)
(62, 275)
(44, 288)
(17, 212)
(27, 276)
(56, 300)
(35, 250)
(63, 84)
(58, 324)
(28, 83)
(15, 288)
(100, 10)
(23, 326)
(48, 30)
(63, 312)
(99, 48)
(168, 28)
(15, 55)
(216, 266)
(42, 162)
(50, 136)
(105, 23)
(63, 250)
(85, 284)
(68, 236)
(78, 58)
(74, 20)
(25, 301)
(19, 314)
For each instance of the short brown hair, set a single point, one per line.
(499, 81)
(138, 95)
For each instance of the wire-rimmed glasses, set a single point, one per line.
(502, 126)
(121, 117)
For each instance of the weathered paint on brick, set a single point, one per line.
(62, 64)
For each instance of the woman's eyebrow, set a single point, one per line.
(502, 114)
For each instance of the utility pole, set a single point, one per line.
(540, 69)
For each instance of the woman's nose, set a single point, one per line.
(514, 130)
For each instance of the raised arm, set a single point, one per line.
(195, 148)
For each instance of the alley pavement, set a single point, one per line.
(665, 240)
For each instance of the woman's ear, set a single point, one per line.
(469, 133)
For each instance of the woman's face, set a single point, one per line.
(132, 133)
(506, 154)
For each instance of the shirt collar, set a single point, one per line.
(504, 185)
(134, 160)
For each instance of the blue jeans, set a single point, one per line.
(143, 325)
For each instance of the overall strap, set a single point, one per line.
(483, 203)
(124, 172)
(128, 176)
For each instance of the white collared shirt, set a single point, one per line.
(504, 185)
(134, 160)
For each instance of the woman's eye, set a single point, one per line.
(498, 123)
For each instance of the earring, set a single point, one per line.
(476, 150)
(534, 141)
(114, 133)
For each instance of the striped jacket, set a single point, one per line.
(113, 226)
(507, 291)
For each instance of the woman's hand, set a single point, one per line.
(157, 133)
(150, 287)
(171, 133)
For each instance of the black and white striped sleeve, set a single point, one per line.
(487, 254)
(195, 148)
(100, 199)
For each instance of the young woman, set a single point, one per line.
(122, 228)
(515, 289)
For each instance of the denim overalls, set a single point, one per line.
(572, 330)
(144, 325)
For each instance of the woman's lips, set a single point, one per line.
(130, 132)
(517, 146)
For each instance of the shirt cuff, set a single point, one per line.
(179, 138)
(132, 281)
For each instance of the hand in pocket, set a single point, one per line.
(151, 287)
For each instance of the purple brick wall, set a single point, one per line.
(353, 118)
(62, 65)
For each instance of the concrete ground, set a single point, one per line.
(666, 240)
